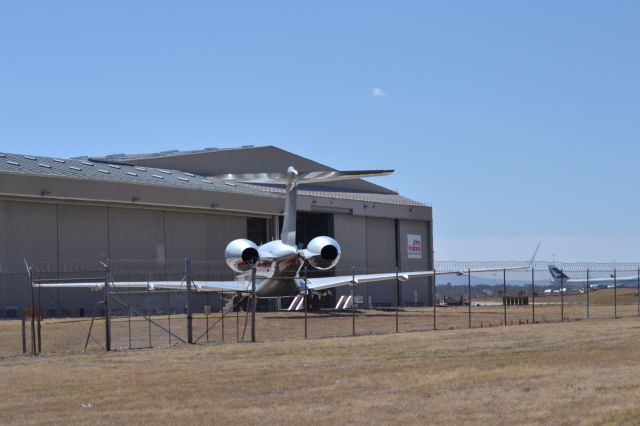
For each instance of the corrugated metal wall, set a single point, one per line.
(69, 240)
(369, 244)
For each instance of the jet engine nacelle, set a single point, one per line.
(323, 253)
(240, 254)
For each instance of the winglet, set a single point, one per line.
(533, 258)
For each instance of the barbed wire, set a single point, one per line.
(540, 265)
(219, 269)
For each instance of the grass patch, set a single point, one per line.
(580, 372)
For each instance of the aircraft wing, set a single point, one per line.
(243, 286)
(510, 268)
(96, 285)
(151, 285)
(330, 282)
(202, 286)
(627, 279)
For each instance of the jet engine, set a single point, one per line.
(323, 253)
(240, 254)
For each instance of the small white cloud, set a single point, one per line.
(378, 92)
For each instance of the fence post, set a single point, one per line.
(33, 308)
(638, 295)
(561, 296)
(533, 295)
(398, 298)
(24, 333)
(353, 301)
(238, 317)
(306, 291)
(38, 323)
(107, 307)
(504, 294)
(129, 320)
(148, 315)
(433, 297)
(187, 267)
(588, 290)
(254, 301)
(469, 293)
(615, 293)
(169, 314)
(222, 314)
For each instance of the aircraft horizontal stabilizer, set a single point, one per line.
(302, 177)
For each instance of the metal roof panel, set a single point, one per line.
(105, 171)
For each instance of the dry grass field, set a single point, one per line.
(69, 335)
(582, 372)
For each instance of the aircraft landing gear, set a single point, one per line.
(240, 303)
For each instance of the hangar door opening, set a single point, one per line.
(257, 230)
(311, 225)
(308, 226)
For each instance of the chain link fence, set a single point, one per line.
(60, 320)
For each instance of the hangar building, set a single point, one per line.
(149, 212)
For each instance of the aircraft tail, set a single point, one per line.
(291, 179)
(557, 274)
(288, 233)
(533, 257)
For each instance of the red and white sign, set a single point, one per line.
(414, 246)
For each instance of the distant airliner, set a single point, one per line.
(558, 277)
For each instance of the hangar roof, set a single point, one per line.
(194, 170)
(171, 153)
(246, 159)
(115, 172)
(250, 159)
(354, 196)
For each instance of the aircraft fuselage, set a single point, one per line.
(277, 271)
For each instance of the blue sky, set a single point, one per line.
(517, 120)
